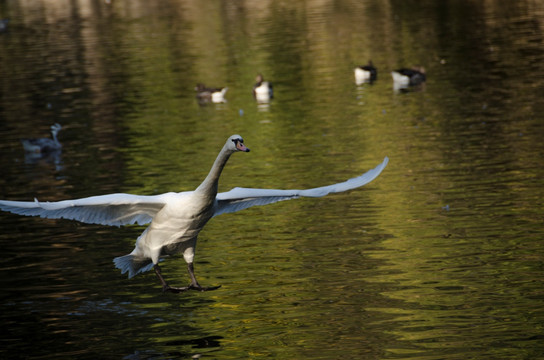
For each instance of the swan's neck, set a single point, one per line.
(54, 134)
(210, 185)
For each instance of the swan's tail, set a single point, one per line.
(132, 264)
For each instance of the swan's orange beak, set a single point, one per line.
(241, 147)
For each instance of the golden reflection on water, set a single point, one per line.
(439, 257)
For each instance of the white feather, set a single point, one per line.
(176, 218)
(113, 209)
(242, 198)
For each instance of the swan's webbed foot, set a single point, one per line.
(173, 289)
(202, 288)
(197, 287)
(193, 286)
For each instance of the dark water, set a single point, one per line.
(440, 258)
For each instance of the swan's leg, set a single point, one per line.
(191, 270)
(193, 286)
(165, 286)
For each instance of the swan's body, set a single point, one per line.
(262, 90)
(365, 74)
(44, 145)
(175, 218)
(215, 95)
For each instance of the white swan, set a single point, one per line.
(176, 218)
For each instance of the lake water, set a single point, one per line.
(441, 257)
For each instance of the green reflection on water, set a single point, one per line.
(439, 257)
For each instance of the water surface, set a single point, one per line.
(440, 257)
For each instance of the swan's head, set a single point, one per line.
(56, 127)
(236, 143)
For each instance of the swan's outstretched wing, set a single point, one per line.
(113, 209)
(242, 198)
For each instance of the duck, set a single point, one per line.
(365, 73)
(262, 90)
(207, 94)
(175, 218)
(404, 77)
(44, 145)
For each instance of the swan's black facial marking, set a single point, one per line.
(239, 143)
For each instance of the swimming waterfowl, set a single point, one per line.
(365, 73)
(262, 90)
(206, 94)
(44, 145)
(403, 78)
(175, 219)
